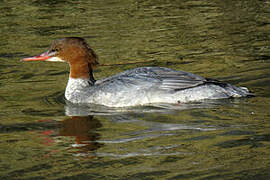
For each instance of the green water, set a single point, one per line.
(43, 137)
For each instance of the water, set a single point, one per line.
(44, 137)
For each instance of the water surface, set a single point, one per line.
(44, 137)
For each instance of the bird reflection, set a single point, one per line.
(82, 123)
(83, 128)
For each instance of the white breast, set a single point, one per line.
(77, 90)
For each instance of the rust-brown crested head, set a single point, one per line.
(74, 50)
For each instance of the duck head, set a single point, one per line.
(74, 50)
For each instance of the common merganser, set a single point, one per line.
(139, 86)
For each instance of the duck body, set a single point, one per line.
(147, 85)
(139, 86)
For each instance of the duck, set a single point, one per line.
(134, 87)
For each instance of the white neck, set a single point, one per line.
(77, 89)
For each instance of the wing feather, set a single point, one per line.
(155, 77)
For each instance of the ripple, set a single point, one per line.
(153, 151)
(55, 98)
(127, 155)
(117, 141)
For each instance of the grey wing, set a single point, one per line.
(154, 77)
(178, 80)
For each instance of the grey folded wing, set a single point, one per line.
(153, 77)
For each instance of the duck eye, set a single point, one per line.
(54, 50)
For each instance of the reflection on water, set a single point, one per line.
(192, 137)
(42, 136)
(81, 126)
(84, 130)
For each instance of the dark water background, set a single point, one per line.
(43, 137)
